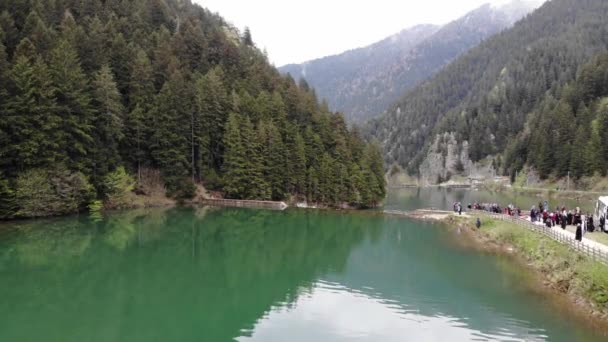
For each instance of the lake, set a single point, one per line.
(203, 274)
(442, 198)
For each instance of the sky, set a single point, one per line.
(296, 31)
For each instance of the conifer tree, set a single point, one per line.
(28, 122)
(578, 161)
(37, 32)
(138, 122)
(8, 205)
(564, 138)
(11, 35)
(169, 141)
(211, 104)
(247, 39)
(235, 159)
(297, 165)
(602, 129)
(274, 158)
(108, 122)
(74, 105)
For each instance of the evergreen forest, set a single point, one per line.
(97, 95)
(533, 95)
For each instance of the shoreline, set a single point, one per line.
(556, 269)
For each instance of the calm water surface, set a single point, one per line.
(247, 275)
(410, 199)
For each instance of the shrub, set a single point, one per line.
(118, 187)
(42, 192)
(8, 206)
(181, 189)
(213, 181)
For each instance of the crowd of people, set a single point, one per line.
(543, 214)
(510, 210)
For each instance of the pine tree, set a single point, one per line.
(138, 122)
(593, 150)
(8, 205)
(563, 138)
(37, 32)
(28, 121)
(257, 186)
(327, 180)
(297, 166)
(373, 175)
(74, 106)
(212, 103)
(603, 128)
(235, 159)
(191, 44)
(274, 157)
(121, 55)
(358, 189)
(169, 145)
(247, 39)
(108, 122)
(11, 35)
(4, 69)
(578, 162)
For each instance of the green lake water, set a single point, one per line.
(206, 274)
(440, 198)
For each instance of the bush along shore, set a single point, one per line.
(584, 281)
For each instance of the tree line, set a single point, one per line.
(90, 86)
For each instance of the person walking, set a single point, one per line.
(478, 223)
(579, 232)
(590, 223)
(583, 221)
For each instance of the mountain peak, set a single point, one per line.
(364, 82)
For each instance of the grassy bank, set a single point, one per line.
(583, 280)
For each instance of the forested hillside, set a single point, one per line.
(365, 82)
(96, 96)
(504, 94)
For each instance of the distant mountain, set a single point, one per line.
(364, 82)
(529, 96)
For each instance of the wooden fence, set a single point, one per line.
(245, 204)
(583, 248)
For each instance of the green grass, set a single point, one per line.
(568, 271)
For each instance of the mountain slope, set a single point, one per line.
(484, 98)
(92, 90)
(364, 82)
(339, 79)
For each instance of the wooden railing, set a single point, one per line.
(245, 204)
(583, 248)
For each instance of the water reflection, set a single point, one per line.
(331, 312)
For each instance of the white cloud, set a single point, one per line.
(293, 32)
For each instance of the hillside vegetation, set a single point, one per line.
(507, 98)
(88, 87)
(365, 82)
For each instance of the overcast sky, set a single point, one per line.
(297, 31)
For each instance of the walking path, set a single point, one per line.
(593, 249)
(569, 234)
